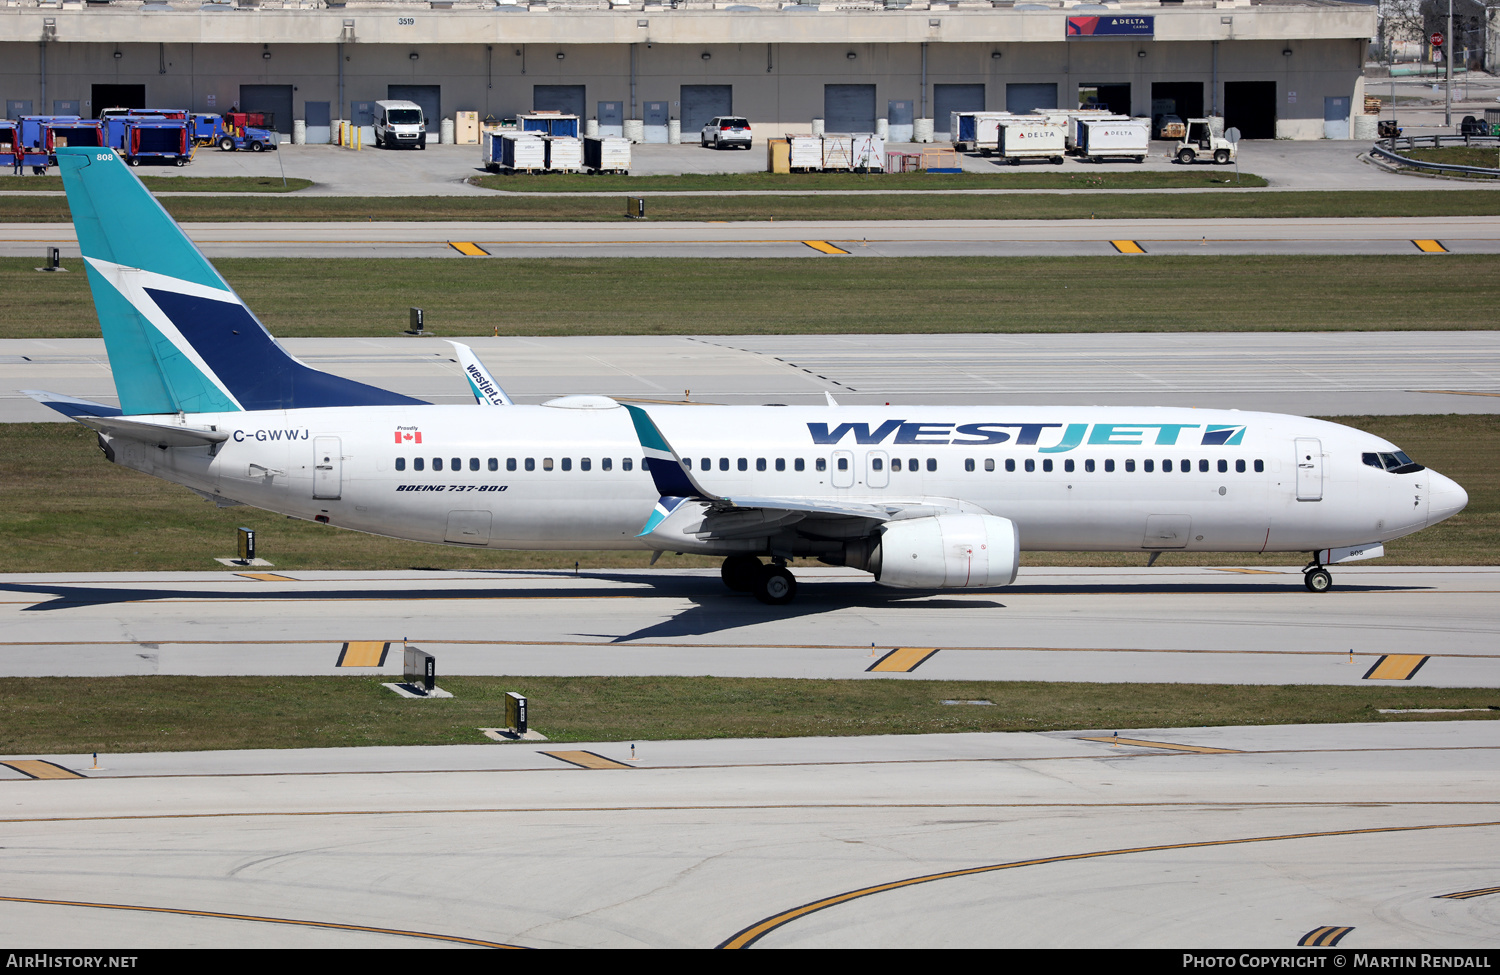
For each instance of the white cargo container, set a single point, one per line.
(564, 154)
(1071, 116)
(1114, 138)
(607, 154)
(838, 152)
(1031, 138)
(869, 154)
(975, 130)
(521, 152)
(806, 152)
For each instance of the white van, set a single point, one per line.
(399, 124)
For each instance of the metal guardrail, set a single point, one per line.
(1438, 141)
(1381, 151)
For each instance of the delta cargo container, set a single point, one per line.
(606, 154)
(1025, 138)
(1114, 138)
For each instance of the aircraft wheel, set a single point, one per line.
(1185, 156)
(775, 586)
(739, 572)
(1318, 580)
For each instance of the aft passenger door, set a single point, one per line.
(328, 477)
(1309, 469)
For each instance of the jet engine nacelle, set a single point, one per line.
(948, 552)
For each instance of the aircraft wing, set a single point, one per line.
(687, 508)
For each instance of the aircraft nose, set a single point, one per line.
(1446, 498)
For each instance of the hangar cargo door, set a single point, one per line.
(1021, 99)
(273, 99)
(612, 119)
(849, 108)
(1115, 98)
(114, 96)
(430, 97)
(947, 99)
(1180, 98)
(703, 102)
(654, 118)
(567, 99)
(1335, 118)
(1250, 106)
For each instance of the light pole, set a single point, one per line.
(1448, 57)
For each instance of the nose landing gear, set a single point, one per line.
(1316, 578)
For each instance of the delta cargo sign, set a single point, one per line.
(1111, 26)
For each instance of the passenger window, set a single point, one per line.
(799, 465)
(843, 463)
(687, 462)
(989, 463)
(606, 464)
(458, 464)
(1030, 465)
(510, 464)
(400, 463)
(1260, 466)
(932, 463)
(723, 463)
(968, 464)
(1130, 466)
(531, 463)
(473, 463)
(876, 464)
(567, 463)
(1010, 465)
(1109, 466)
(417, 463)
(585, 464)
(781, 463)
(821, 463)
(742, 464)
(1223, 467)
(1187, 467)
(625, 463)
(1166, 467)
(895, 463)
(1239, 467)
(1047, 465)
(1068, 466)
(437, 463)
(494, 463)
(1088, 466)
(1203, 466)
(760, 463)
(546, 463)
(1147, 466)
(913, 466)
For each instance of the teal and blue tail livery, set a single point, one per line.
(179, 339)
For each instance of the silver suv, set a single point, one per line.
(726, 130)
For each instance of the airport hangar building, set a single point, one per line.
(1275, 69)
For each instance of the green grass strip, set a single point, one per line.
(77, 716)
(660, 296)
(916, 206)
(1195, 177)
(64, 508)
(175, 184)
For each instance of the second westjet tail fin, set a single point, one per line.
(179, 339)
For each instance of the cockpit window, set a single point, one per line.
(1395, 463)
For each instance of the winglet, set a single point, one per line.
(481, 383)
(673, 480)
(831, 400)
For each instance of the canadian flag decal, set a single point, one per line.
(408, 435)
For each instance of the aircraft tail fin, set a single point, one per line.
(179, 339)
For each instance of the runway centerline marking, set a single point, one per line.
(262, 920)
(746, 937)
(902, 660)
(1463, 895)
(363, 653)
(38, 769)
(1201, 749)
(590, 760)
(1396, 666)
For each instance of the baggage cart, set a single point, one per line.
(1026, 138)
(564, 154)
(1114, 138)
(606, 154)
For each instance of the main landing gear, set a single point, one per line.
(772, 584)
(1316, 578)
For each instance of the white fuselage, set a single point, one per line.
(1070, 478)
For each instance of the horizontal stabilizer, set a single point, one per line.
(71, 405)
(158, 434)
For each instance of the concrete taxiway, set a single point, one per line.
(1307, 373)
(1186, 838)
(815, 239)
(1435, 626)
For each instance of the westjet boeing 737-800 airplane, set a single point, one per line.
(922, 497)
